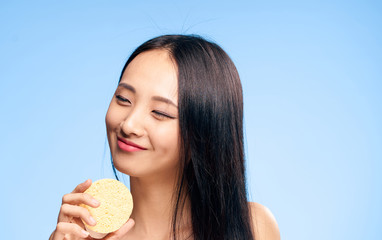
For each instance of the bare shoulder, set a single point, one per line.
(263, 222)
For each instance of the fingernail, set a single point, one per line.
(95, 202)
(92, 221)
(84, 233)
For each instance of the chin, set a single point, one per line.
(132, 168)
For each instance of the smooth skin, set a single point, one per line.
(144, 111)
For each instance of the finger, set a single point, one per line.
(77, 211)
(78, 222)
(122, 231)
(78, 198)
(82, 186)
(63, 229)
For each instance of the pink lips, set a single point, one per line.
(129, 146)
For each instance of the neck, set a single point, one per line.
(153, 206)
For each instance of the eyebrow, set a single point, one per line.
(165, 100)
(155, 98)
(127, 86)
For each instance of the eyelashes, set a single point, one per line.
(158, 114)
(162, 115)
(120, 98)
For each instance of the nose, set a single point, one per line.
(132, 125)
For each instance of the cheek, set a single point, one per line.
(167, 139)
(108, 121)
(111, 119)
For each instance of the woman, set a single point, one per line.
(175, 126)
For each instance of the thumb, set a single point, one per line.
(122, 231)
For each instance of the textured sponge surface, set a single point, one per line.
(115, 208)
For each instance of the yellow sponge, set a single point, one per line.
(115, 208)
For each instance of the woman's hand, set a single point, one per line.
(69, 224)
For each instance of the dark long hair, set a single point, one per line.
(212, 174)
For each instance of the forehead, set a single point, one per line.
(153, 72)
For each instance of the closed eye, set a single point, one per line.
(122, 99)
(162, 115)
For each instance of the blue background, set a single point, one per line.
(312, 80)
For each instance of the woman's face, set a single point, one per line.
(142, 119)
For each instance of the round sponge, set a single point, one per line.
(116, 205)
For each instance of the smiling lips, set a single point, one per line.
(129, 146)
